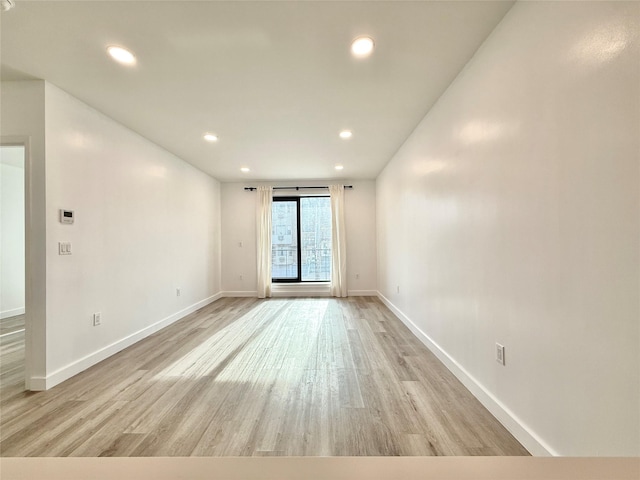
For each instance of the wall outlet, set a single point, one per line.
(97, 319)
(178, 292)
(500, 354)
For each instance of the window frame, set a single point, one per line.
(296, 199)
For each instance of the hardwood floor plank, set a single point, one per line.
(18, 443)
(251, 377)
(68, 436)
(11, 324)
(123, 446)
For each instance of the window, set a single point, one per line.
(301, 239)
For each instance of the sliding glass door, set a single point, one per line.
(301, 239)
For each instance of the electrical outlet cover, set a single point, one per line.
(500, 354)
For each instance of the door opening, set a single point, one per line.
(12, 264)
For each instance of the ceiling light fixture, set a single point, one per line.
(346, 134)
(245, 169)
(121, 55)
(339, 167)
(362, 47)
(210, 137)
(7, 5)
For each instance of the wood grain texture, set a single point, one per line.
(249, 377)
(11, 352)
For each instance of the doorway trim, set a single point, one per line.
(29, 268)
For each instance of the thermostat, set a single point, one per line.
(66, 216)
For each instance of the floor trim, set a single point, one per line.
(11, 313)
(298, 291)
(68, 371)
(362, 293)
(525, 435)
(240, 293)
(308, 289)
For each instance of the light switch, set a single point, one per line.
(64, 248)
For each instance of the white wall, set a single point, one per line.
(511, 215)
(146, 223)
(12, 260)
(239, 226)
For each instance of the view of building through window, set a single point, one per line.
(301, 239)
(284, 240)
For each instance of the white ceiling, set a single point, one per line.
(275, 80)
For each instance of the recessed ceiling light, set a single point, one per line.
(339, 167)
(122, 55)
(7, 5)
(245, 169)
(346, 134)
(210, 137)
(362, 47)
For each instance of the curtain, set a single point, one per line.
(263, 230)
(338, 243)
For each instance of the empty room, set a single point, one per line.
(319, 231)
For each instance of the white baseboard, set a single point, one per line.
(527, 437)
(362, 293)
(239, 293)
(11, 313)
(211, 299)
(299, 291)
(68, 371)
(37, 384)
(311, 289)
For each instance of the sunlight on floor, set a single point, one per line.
(274, 337)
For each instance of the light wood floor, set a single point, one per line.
(257, 377)
(11, 354)
(11, 324)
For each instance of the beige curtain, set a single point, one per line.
(338, 243)
(263, 231)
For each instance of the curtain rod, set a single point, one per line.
(292, 188)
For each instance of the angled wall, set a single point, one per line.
(511, 215)
(146, 224)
